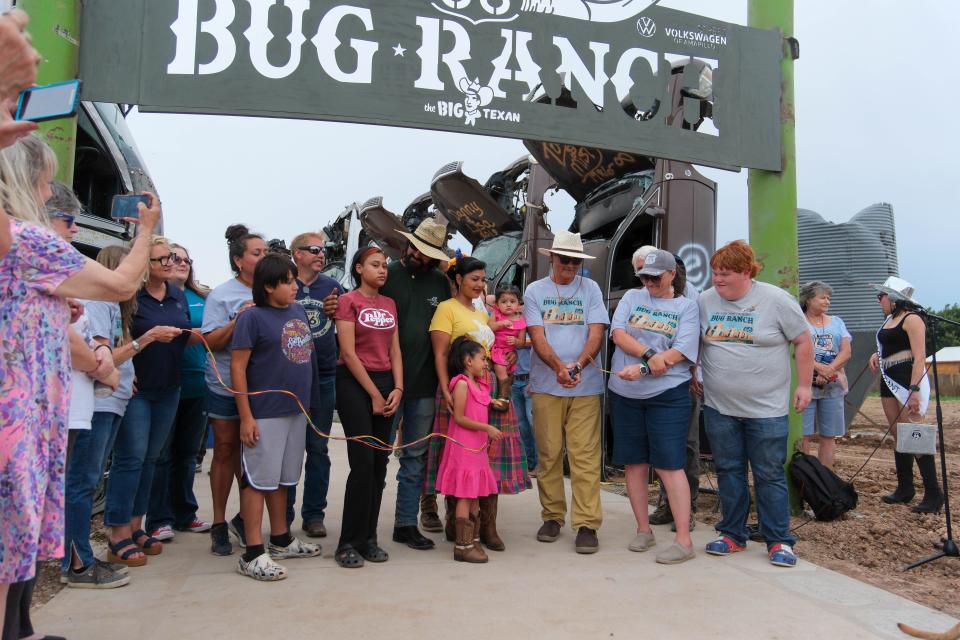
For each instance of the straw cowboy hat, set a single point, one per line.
(897, 288)
(429, 239)
(566, 243)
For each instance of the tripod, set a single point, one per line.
(949, 545)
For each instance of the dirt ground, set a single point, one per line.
(876, 541)
(873, 543)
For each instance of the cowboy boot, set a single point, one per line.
(464, 550)
(904, 491)
(488, 524)
(932, 496)
(449, 529)
(475, 519)
(429, 520)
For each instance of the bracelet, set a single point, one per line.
(400, 389)
(649, 353)
(105, 346)
(915, 388)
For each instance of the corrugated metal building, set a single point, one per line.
(850, 256)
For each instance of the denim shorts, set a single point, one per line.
(652, 430)
(220, 407)
(829, 417)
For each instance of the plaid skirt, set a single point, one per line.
(507, 459)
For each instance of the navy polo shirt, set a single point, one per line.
(158, 365)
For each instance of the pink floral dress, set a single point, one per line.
(34, 397)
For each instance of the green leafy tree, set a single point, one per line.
(947, 334)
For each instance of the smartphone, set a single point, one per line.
(49, 102)
(126, 206)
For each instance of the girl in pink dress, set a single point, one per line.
(465, 470)
(509, 329)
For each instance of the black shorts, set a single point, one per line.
(899, 373)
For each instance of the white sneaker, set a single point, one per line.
(261, 568)
(163, 533)
(296, 549)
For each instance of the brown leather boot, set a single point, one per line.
(464, 549)
(449, 529)
(488, 524)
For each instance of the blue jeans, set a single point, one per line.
(172, 502)
(143, 432)
(523, 406)
(83, 475)
(763, 443)
(316, 476)
(417, 414)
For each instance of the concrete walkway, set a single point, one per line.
(532, 590)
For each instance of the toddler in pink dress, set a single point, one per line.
(465, 471)
(509, 329)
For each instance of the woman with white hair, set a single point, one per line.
(831, 350)
(904, 387)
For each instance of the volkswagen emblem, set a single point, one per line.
(646, 26)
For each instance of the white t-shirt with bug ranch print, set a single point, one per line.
(661, 324)
(745, 350)
(565, 313)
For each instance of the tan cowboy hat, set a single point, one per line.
(566, 243)
(429, 239)
(897, 288)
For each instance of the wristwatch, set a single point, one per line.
(915, 387)
(135, 345)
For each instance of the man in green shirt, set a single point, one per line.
(417, 286)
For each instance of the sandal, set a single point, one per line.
(151, 546)
(124, 558)
(373, 553)
(348, 558)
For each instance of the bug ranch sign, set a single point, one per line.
(575, 71)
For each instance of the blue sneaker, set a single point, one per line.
(781, 555)
(723, 546)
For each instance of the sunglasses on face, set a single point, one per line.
(164, 260)
(881, 296)
(648, 278)
(66, 217)
(178, 260)
(569, 260)
(314, 249)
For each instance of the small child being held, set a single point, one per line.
(465, 471)
(272, 349)
(509, 330)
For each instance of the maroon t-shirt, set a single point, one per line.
(375, 322)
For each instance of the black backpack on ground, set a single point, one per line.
(822, 489)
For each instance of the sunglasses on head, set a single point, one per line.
(313, 248)
(178, 260)
(164, 260)
(568, 259)
(66, 217)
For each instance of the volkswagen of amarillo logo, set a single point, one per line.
(646, 26)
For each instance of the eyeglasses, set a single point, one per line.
(881, 296)
(313, 248)
(164, 260)
(66, 217)
(178, 260)
(644, 277)
(568, 259)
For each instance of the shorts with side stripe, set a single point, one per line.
(278, 456)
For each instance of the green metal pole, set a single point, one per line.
(55, 28)
(773, 195)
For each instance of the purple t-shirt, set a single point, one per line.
(282, 357)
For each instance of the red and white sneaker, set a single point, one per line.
(163, 534)
(196, 526)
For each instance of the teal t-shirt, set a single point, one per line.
(192, 384)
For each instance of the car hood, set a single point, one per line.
(468, 207)
(383, 227)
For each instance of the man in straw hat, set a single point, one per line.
(566, 319)
(417, 286)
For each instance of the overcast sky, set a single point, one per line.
(876, 88)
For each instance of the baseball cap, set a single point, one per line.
(657, 262)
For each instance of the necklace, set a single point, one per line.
(560, 298)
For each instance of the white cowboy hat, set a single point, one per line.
(429, 238)
(566, 243)
(896, 288)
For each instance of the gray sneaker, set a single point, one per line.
(120, 569)
(97, 576)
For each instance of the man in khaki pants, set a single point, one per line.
(566, 319)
